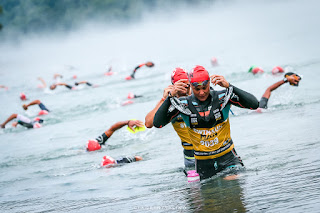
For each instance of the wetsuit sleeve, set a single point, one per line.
(102, 139)
(135, 69)
(164, 114)
(243, 99)
(126, 160)
(28, 125)
(43, 107)
(68, 86)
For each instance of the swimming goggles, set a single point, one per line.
(203, 83)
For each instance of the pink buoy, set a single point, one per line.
(74, 76)
(193, 176)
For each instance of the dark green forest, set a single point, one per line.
(29, 16)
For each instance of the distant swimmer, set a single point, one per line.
(4, 87)
(93, 145)
(132, 96)
(147, 64)
(179, 78)
(44, 109)
(85, 82)
(54, 86)
(23, 97)
(108, 161)
(109, 72)
(206, 114)
(255, 70)
(214, 61)
(277, 70)
(290, 77)
(23, 121)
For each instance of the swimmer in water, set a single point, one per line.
(23, 121)
(101, 139)
(4, 87)
(36, 102)
(147, 64)
(290, 77)
(83, 82)
(54, 86)
(108, 161)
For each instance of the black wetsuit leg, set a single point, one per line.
(210, 167)
(28, 125)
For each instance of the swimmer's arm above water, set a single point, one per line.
(64, 84)
(163, 116)
(43, 82)
(150, 116)
(107, 134)
(240, 98)
(243, 99)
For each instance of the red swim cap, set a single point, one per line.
(178, 74)
(23, 96)
(93, 145)
(277, 69)
(43, 112)
(257, 70)
(107, 160)
(214, 61)
(130, 95)
(198, 74)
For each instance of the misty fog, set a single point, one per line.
(239, 32)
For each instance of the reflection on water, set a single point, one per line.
(216, 195)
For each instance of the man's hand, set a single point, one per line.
(220, 80)
(133, 123)
(293, 79)
(180, 86)
(167, 90)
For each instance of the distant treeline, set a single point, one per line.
(47, 15)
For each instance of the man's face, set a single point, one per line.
(201, 91)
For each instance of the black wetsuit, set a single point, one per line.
(209, 127)
(125, 160)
